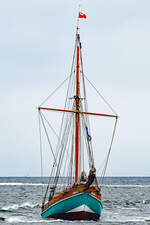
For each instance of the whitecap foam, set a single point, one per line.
(17, 219)
(125, 185)
(29, 205)
(116, 217)
(22, 184)
(12, 207)
(16, 206)
(27, 184)
(146, 202)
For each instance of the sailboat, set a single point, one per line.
(76, 194)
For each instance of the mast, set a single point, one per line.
(77, 62)
(77, 112)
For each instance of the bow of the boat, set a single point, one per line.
(83, 206)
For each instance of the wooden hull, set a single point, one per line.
(79, 206)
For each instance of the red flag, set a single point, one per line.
(81, 15)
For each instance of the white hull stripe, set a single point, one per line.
(82, 208)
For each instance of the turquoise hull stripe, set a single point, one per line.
(70, 203)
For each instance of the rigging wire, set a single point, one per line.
(106, 102)
(51, 127)
(61, 154)
(88, 143)
(60, 134)
(67, 147)
(87, 122)
(107, 158)
(44, 197)
(41, 155)
(101, 165)
(50, 95)
(110, 107)
(59, 140)
(72, 151)
(61, 128)
(48, 140)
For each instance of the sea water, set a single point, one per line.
(126, 200)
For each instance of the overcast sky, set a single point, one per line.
(36, 47)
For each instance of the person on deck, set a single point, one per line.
(83, 178)
(91, 177)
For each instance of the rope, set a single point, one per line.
(67, 147)
(41, 155)
(85, 117)
(50, 126)
(57, 148)
(44, 198)
(101, 96)
(54, 91)
(107, 158)
(72, 151)
(48, 139)
(61, 129)
(88, 143)
(66, 132)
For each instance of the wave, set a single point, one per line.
(128, 220)
(125, 185)
(22, 184)
(27, 184)
(146, 202)
(120, 218)
(15, 207)
(2, 218)
(59, 185)
(125, 203)
(17, 219)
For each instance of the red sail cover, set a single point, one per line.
(82, 15)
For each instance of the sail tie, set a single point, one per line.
(87, 132)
